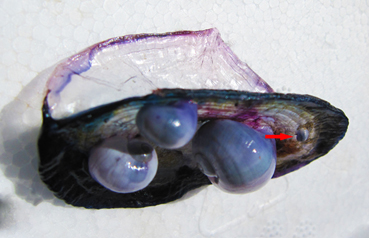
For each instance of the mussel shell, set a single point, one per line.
(64, 144)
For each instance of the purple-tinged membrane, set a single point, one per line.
(135, 65)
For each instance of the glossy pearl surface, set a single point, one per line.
(235, 157)
(168, 126)
(123, 167)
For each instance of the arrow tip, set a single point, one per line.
(284, 136)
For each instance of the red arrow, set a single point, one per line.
(280, 136)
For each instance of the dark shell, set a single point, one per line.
(64, 144)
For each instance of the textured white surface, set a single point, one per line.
(311, 47)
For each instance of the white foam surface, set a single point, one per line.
(319, 48)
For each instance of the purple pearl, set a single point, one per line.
(117, 168)
(168, 126)
(235, 157)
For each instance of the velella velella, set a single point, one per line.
(140, 120)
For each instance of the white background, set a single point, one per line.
(319, 48)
